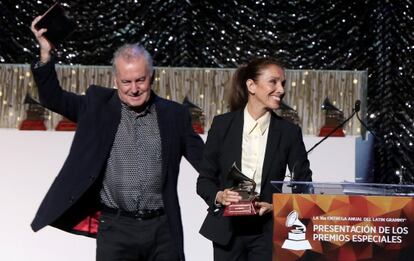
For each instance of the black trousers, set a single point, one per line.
(251, 241)
(130, 239)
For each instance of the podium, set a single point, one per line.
(342, 221)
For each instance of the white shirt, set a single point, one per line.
(254, 142)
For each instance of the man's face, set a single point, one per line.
(133, 80)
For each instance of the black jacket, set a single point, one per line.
(73, 199)
(224, 147)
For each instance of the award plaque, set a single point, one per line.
(58, 24)
(333, 118)
(246, 189)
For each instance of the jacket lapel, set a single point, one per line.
(111, 119)
(233, 143)
(236, 138)
(273, 140)
(165, 133)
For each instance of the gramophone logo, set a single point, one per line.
(297, 235)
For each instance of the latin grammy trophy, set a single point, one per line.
(246, 189)
(333, 118)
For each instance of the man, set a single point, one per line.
(124, 160)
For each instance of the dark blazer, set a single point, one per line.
(73, 198)
(223, 148)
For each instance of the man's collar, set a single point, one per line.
(147, 109)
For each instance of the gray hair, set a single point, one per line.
(130, 52)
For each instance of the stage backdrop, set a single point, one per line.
(206, 87)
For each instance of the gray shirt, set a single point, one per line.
(132, 178)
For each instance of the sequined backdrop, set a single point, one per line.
(373, 35)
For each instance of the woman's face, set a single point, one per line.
(267, 91)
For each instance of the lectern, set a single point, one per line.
(342, 221)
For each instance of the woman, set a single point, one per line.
(261, 144)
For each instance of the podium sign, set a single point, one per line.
(342, 227)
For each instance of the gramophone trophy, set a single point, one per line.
(246, 189)
(197, 116)
(35, 115)
(288, 113)
(333, 118)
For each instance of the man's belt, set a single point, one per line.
(138, 214)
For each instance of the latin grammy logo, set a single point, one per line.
(297, 235)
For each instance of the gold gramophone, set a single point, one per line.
(333, 118)
(35, 115)
(197, 116)
(288, 113)
(246, 189)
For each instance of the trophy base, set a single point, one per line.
(198, 128)
(296, 245)
(326, 130)
(33, 125)
(65, 125)
(242, 208)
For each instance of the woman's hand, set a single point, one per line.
(264, 207)
(227, 197)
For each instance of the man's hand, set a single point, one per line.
(227, 197)
(45, 46)
(264, 207)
